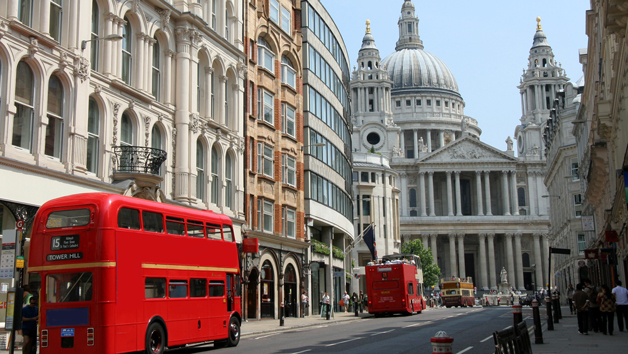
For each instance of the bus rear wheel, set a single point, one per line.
(234, 332)
(155, 339)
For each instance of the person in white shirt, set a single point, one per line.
(621, 299)
(345, 299)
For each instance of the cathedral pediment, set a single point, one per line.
(467, 149)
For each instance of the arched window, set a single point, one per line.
(521, 194)
(94, 45)
(126, 130)
(226, 102)
(54, 129)
(265, 56)
(198, 87)
(213, 20)
(56, 19)
(215, 182)
(525, 257)
(267, 280)
(212, 91)
(127, 57)
(229, 181)
(156, 70)
(24, 109)
(200, 170)
(288, 74)
(93, 136)
(25, 12)
(227, 25)
(412, 198)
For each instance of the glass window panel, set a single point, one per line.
(178, 289)
(155, 288)
(153, 222)
(69, 287)
(129, 219)
(216, 288)
(175, 226)
(214, 232)
(198, 287)
(196, 228)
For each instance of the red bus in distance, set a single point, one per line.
(122, 274)
(395, 285)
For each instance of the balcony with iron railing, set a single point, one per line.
(139, 163)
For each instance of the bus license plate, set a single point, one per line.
(67, 332)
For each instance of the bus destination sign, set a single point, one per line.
(64, 256)
(69, 242)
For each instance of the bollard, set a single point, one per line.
(550, 321)
(558, 310)
(538, 331)
(282, 315)
(517, 314)
(555, 307)
(442, 343)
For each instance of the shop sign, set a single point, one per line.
(250, 245)
(591, 253)
(612, 236)
(587, 223)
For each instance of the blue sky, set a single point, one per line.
(485, 43)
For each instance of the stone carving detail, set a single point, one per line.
(33, 47)
(116, 108)
(97, 88)
(468, 153)
(164, 16)
(196, 123)
(147, 121)
(81, 68)
(605, 131)
(396, 151)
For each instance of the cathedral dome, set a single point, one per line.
(414, 68)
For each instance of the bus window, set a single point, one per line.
(69, 287)
(153, 222)
(155, 288)
(227, 233)
(388, 284)
(68, 218)
(216, 288)
(451, 292)
(410, 289)
(129, 219)
(178, 289)
(175, 226)
(198, 287)
(196, 229)
(213, 232)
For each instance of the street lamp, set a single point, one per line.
(533, 266)
(111, 37)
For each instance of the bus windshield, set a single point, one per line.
(68, 218)
(69, 287)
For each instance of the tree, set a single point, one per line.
(431, 271)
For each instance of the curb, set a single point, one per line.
(285, 329)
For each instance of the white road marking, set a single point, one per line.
(485, 339)
(346, 341)
(506, 328)
(270, 335)
(375, 334)
(465, 350)
(303, 351)
(418, 324)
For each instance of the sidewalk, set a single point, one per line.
(256, 327)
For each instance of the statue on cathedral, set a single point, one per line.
(503, 275)
(509, 144)
(464, 125)
(396, 151)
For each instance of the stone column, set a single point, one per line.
(12, 11)
(519, 262)
(150, 43)
(540, 188)
(492, 273)
(403, 194)
(169, 55)
(461, 262)
(431, 187)
(402, 143)
(450, 202)
(452, 255)
(531, 194)
(487, 192)
(510, 258)
(478, 187)
(118, 52)
(182, 115)
(441, 138)
(434, 240)
(429, 141)
(137, 77)
(538, 259)
(546, 256)
(505, 199)
(44, 16)
(416, 143)
(515, 196)
(482, 255)
(106, 56)
(422, 193)
(73, 25)
(222, 92)
(458, 195)
(425, 240)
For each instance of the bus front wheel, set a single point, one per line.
(155, 339)
(234, 332)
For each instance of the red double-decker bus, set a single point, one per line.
(395, 285)
(122, 274)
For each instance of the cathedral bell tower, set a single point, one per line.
(370, 90)
(540, 84)
(408, 28)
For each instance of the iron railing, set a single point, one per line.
(139, 159)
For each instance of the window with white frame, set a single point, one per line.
(126, 130)
(24, 108)
(198, 87)
(213, 20)
(265, 161)
(582, 244)
(226, 114)
(577, 202)
(265, 211)
(286, 20)
(212, 90)
(93, 136)
(25, 12)
(200, 170)
(156, 142)
(156, 70)
(288, 120)
(575, 173)
(94, 30)
(265, 106)
(54, 129)
(289, 224)
(265, 56)
(251, 97)
(56, 19)
(228, 181)
(127, 57)
(288, 74)
(274, 11)
(227, 25)
(289, 170)
(215, 167)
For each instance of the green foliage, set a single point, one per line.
(431, 271)
(353, 263)
(348, 275)
(338, 253)
(372, 150)
(319, 247)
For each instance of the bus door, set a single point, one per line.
(230, 292)
(218, 307)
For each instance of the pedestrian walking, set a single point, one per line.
(325, 313)
(355, 300)
(570, 292)
(346, 298)
(581, 302)
(606, 300)
(621, 300)
(366, 302)
(361, 301)
(594, 307)
(304, 303)
(30, 316)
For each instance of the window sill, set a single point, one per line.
(289, 137)
(263, 70)
(289, 88)
(287, 186)
(263, 122)
(265, 177)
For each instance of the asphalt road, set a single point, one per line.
(471, 329)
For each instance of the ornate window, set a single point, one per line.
(265, 160)
(200, 170)
(215, 181)
(288, 120)
(25, 12)
(54, 129)
(289, 170)
(126, 130)
(93, 136)
(229, 181)
(127, 57)
(94, 30)
(265, 56)
(288, 74)
(24, 113)
(56, 19)
(156, 142)
(289, 222)
(156, 70)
